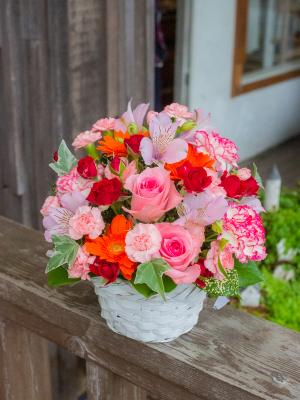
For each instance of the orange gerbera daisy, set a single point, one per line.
(114, 146)
(111, 247)
(194, 158)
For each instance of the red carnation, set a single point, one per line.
(87, 168)
(105, 192)
(204, 273)
(250, 187)
(195, 179)
(232, 185)
(55, 156)
(107, 270)
(134, 143)
(236, 188)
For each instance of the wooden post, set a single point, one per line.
(25, 367)
(105, 385)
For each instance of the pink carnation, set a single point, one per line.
(104, 124)
(179, 248)
(81, 266)
(143, 242)
(51, 201)
(73, 182)
(223, 150)
(85, 138)
(244, 230)
(86, 221)
(216, 255)
(178, 111)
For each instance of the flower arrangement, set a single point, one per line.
(158, 201)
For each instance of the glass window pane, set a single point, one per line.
(273, 38)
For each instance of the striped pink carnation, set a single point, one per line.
(223, 150)
(243, 227)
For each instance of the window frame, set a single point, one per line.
(240, 42)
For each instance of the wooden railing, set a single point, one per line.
(230, 355)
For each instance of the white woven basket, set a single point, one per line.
(149, 320)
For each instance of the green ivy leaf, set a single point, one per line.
(249, 274)
(65, 251)
(59, 277)
(257, 177)
(169, 284)
(151, 273)
(143, 289)
(66, 160)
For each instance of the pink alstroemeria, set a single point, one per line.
(162, 146)
(135, 116)
(58, 218)
(204, 208)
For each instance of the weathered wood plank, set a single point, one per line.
(104, 385)
(86, 62)
(229, 355)
(25, 368)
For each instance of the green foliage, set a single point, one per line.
(283, 224)
(248, 274)
(65, 251)
(66, 161)
(151, 273)
(228, 287)
(59, 277)
(282, 300)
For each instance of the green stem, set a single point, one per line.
(91, 151)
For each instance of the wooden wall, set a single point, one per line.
(64, 64)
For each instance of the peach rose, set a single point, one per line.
(153, 194)
(179, 248)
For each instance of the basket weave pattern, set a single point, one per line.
(149, 320)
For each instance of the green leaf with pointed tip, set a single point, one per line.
(249, 274)
(59, 277)
(257, 177)
(169, 284)
(143, 289)
(65, 251)
(66, 160)
(151, 274)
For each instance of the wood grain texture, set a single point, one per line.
(229, 355)
(25, 367)
(63, 65)
(105, 385)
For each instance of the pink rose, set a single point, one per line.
(81, 266)
(51, 201)
(143, 242)
(86, 221)
(73, 182)
(85, 138)
(214, 255)
(244, 174)
(179, 248)
(153, 194)
(104, 124)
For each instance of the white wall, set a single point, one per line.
(256, 120)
